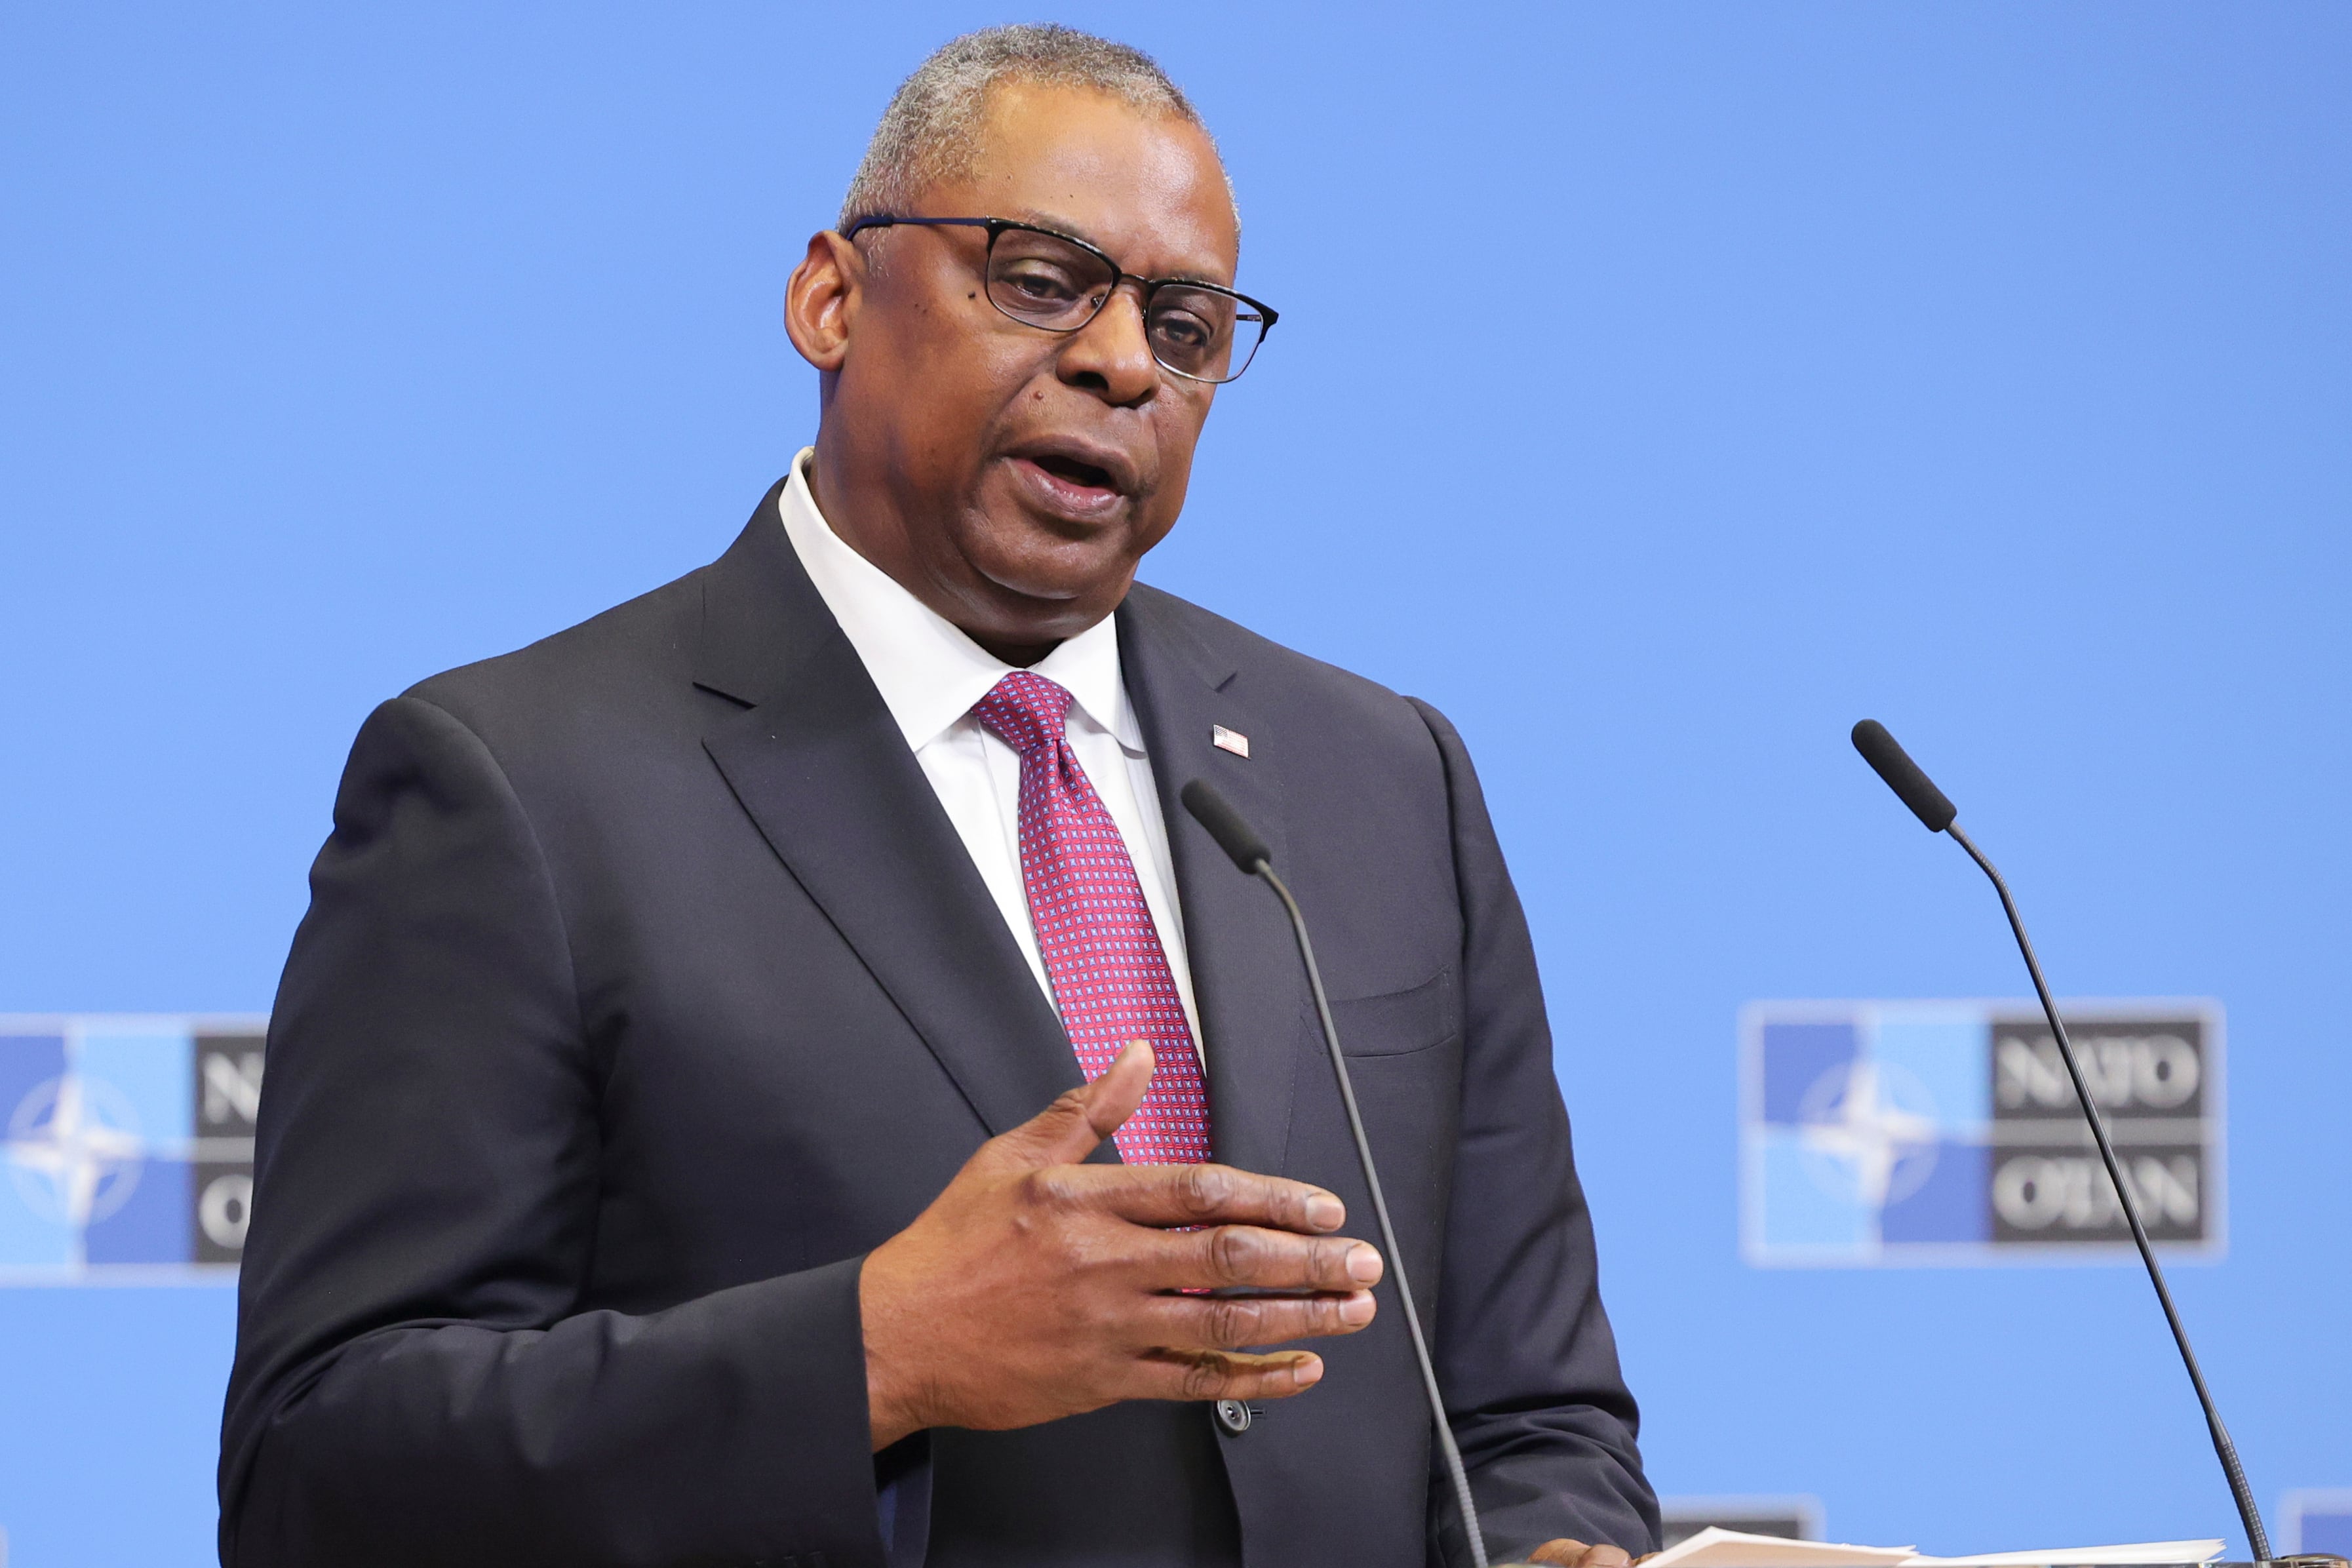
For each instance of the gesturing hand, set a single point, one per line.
(1034, 1286)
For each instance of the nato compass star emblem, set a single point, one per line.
(74, 1150)
(1868, 1129)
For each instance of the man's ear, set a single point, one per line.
(821, 301)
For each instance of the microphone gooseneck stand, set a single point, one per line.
(1248, 852)
(1936, 814)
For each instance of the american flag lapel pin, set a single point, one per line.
(1226, 739)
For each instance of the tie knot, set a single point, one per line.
(1026, 711)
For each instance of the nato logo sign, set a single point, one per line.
(1943, 1132)
(129, 1148)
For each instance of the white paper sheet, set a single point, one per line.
(2143, 1552)
(1713, 1548)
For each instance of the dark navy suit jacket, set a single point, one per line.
(646, 987)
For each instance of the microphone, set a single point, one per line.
(1936, 814)
(1248, 852)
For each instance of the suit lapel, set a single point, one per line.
(816, 759)
(1247, 979)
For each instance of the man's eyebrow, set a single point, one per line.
(1075, 231)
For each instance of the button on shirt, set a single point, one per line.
(930, 675)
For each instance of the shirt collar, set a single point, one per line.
(930, 674)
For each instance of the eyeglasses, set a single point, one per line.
(1060, 283)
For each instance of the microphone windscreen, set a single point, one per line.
(1903, 775)
(1233, 835)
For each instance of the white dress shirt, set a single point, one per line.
(930, 674)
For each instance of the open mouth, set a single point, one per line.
(1070, 471)
(1082, 481)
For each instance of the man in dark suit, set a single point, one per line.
(769, 1076)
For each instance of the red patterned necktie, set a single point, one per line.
(1111, 979)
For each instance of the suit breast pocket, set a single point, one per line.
(1398, 1023)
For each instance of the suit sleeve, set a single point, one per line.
(1523, 1348)
(415, 1381)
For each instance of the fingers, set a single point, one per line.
(1227, 1374)
(1111, 1099)
(1067, 1131)
(1576, 1554)
(1204, 1194)
(1246, 1255)
(1219, 1245)
(1204, 1323)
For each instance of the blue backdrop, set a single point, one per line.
(1660, 388)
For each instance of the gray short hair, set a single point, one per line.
(928, 132)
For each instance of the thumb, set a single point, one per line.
(1067, 1131)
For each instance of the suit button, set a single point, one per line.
(1234, 1416)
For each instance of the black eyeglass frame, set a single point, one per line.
(996, 226)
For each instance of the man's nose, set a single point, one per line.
(1111, 355)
